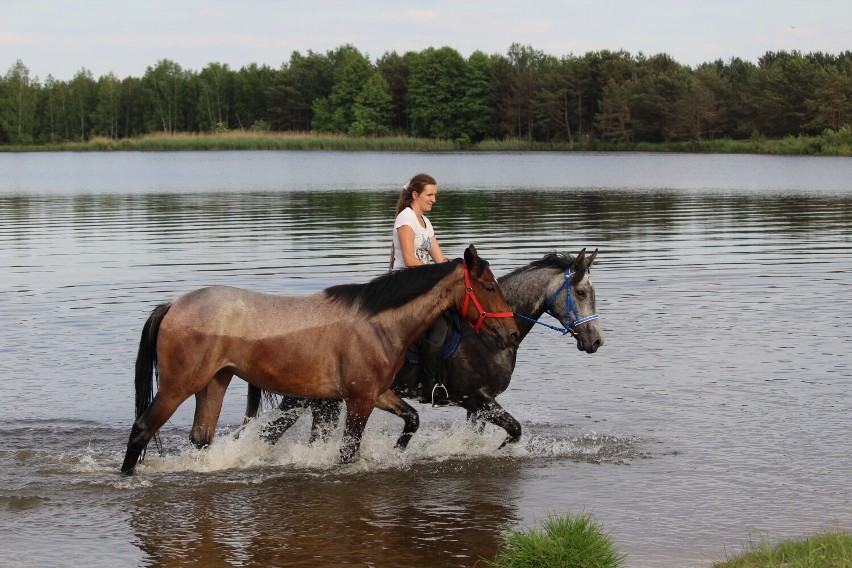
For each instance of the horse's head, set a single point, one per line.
(483, 304)
(580, 315)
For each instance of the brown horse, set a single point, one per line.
(346, 342)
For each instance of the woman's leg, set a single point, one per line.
(431, 366)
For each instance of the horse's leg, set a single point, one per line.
(358, 411)
(491, 411)
(390, 402)
(208, 407)
(474, 421)
(290, 405)
(325, 413)
(252, 402)
(160, 410)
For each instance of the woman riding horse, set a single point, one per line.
(414, 243)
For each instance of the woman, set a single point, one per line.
(414, 243)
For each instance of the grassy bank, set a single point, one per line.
(241, 141)
(580, 542)
(830, 550)
(826, 144)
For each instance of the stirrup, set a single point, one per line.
(440, 403)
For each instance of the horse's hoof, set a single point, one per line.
(348, 457)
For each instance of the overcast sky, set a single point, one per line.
(125, 37)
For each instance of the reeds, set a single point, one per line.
(828, 143)
(238, 140)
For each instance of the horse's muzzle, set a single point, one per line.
(512, 341)
(589, 345)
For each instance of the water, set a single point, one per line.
(717, 411)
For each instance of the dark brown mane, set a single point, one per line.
(391, 290)
(550, 260)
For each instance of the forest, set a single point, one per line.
(436, 93)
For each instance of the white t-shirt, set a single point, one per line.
(422, 237)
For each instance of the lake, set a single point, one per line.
(717, 412)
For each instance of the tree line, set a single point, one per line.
(611, 96)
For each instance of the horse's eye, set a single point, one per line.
(490, 289)
(581, 293)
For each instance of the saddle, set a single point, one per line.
(450, 345)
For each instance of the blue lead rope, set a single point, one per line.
(570, 307)
(562, 330)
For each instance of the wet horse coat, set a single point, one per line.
(345, 342)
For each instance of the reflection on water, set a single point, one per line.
(719, 405)
(432, 515)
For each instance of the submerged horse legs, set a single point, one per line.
(325, 413)
(479, 412)
(291, 406)
(358, 411)
(208, 406)
(390, 402)
(160, 410)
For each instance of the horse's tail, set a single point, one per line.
(146, 360)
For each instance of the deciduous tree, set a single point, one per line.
(336, 112)
(18, 99)
(435, 93)
(108, 110)
(162, 86)
(372, 108)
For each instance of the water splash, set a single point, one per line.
(245, 449)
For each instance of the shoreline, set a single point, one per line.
(826, 144)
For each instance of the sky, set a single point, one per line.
(60, 38)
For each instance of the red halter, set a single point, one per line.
(469, 295)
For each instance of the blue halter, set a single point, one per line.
(569, 308)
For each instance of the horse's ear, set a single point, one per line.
(591, 259)
(578, 263)
(470, 256)
(472, 260)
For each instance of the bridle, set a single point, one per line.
(470, 296)
(570, 307)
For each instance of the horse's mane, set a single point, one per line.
(393, 289)
(550, 260)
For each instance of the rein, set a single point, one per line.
(571, 307)
(469, 295)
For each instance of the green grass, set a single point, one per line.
(828, 143)
(579, 542)
(561, 542)
(242, 141)
(828, 550)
